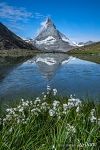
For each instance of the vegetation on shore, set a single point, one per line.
(17, 53)
(89, 52)
(50, 123)
(8, 57)
(88, 49)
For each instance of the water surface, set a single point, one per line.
(69, 75)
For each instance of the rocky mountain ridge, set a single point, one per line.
(50, 39)
(9, 40)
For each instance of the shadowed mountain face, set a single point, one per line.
(9, 40)
(50, 39)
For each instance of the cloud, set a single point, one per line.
(12, 13)
(17, 18)
(42, 26)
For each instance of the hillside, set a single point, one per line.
(9, 40)
(89, 52)
(88, 49)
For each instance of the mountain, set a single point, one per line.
(50, 39)
(9, 40)
(85, 43)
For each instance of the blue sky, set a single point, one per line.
(78, 19)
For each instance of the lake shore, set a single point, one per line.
(8, 57)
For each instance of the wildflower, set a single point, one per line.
(24, 104)
(44, 97)
(70, 128)
(37, 100)
(27, 102)
(99, 121)
(43, 93)
(18, 121)
(8, 116)
(65, 107)
(8, 110)
(54, 92)
(51, 112)
(70, 105)
(31, 102)
(48, 89)
(44, 106)
(15, 109)
(53, 147)
(59, 117)
(36, 111)
(22, 100)
(21, 109)
(74, 102)
(93, 119)
(71, 96)
(77, 109)
(11, 129)
(92, 112)
(19, 106)
(55, 104)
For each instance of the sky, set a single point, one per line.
(79, 20)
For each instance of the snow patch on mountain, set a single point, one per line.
(49, 40)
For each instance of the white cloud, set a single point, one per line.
(43, 23)
(17, 14)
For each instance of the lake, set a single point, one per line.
(69, 75)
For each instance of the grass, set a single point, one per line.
(51, 123)
(88, 57)
(88, 49)
(17, 53)
(9, 57)
(90, 52)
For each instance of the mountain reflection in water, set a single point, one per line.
(68, 74)
(48, 64)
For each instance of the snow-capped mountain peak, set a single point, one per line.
(51, 39)
(45, 24)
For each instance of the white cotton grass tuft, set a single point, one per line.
(92, 117)
(51, 112)
(71, 128)
(54, 92)
(53, 108)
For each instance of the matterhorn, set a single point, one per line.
(51, 40)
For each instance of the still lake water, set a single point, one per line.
(69, 75)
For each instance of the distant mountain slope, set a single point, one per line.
(9, 40)
(85, 43)
(89, 52)
(92, 48)
(50, 39)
